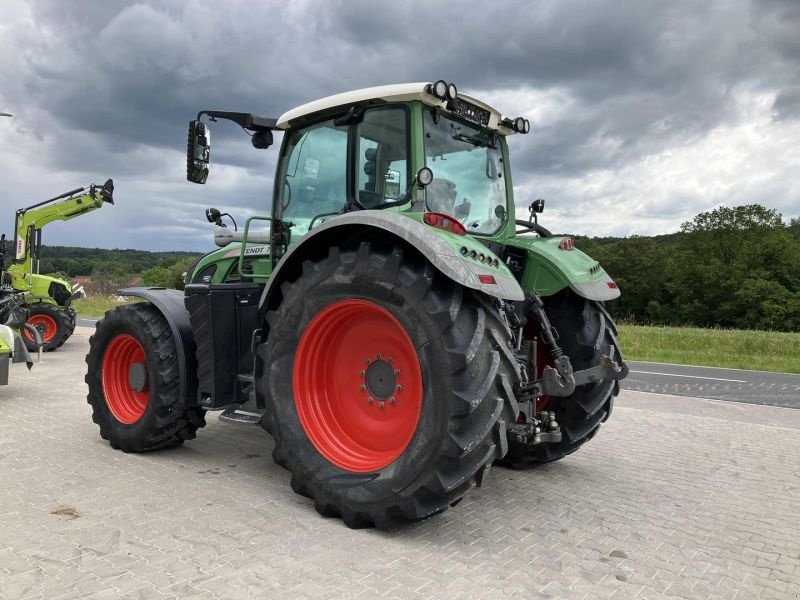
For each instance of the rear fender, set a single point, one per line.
(171, 304)
(441, 248)
(549, 268)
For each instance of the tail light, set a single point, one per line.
(444, 222)
(567, 244)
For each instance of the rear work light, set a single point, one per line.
(444, 222)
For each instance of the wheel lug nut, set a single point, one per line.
(390, 360)
(380, 404)
(369, 360)
(363, 388)
(393, 400)
(370, 399)
(378, 356)
(397, 372)
(362, 373)
(399, 388)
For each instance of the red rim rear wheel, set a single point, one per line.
(126, 403)
(357, 385)
(46, 325)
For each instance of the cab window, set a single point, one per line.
(313, 178)
(382, 157)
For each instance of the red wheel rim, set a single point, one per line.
(357, 385)
(123, 354)
(46, 325)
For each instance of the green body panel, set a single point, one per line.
(226, 260)
(549, 269)
(37, 287)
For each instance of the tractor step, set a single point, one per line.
(236, 415)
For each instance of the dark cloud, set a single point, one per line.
(107, 86)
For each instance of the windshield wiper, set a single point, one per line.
(474, 140)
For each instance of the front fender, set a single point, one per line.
(171, 304)
(444, 250)
(549, 269)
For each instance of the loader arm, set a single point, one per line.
(30, 221)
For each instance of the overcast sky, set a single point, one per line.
(644, 113)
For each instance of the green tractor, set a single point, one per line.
(49, 299)
(396, 329)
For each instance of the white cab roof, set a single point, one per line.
(402, 92)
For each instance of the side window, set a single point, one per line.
(314, 175)
(382, 157)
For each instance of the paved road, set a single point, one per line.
(752, 387)
(675, 498)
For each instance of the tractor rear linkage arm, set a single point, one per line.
(561, 380)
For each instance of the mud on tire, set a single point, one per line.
(162, 420)
(467, 379)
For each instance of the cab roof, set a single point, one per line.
(402, 92)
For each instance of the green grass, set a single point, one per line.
(757, 350)
(96, 306)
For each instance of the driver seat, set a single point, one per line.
(441, 196)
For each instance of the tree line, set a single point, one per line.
(113, 269)
(732, 267)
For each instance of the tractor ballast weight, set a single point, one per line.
(395, 329)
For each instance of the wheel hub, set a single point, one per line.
(137, 377)
(380, 379)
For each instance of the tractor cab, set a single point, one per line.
(413, 148)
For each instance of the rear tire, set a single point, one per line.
(460, 389)
(134, 384)
(53, 324)
(586, 332)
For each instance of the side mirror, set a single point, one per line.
(197, 152)
(213, 216)
(537, 206)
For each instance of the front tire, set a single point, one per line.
(52, 323)
(586, 332)
(383, 324)
(134, 384)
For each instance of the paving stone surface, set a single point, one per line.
(675, 498)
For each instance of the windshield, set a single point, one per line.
(468, 171)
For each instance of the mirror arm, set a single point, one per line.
(246, 120)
